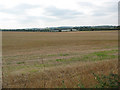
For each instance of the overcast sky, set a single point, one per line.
(49, 13)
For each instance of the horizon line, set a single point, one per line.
(61, 26)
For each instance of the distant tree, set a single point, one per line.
(60, 30)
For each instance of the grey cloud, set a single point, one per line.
(86, 4)
(61, 13)
(107, 8)
(28, 19)
(20, 9)
(99, 13)
(35, 19)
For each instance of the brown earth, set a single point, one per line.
(30, 58)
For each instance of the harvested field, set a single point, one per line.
(58, 59)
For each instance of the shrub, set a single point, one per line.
(110, 81)
(20, 62)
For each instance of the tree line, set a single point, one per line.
(59, 29)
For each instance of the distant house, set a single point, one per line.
(65, 30)
(74, 29)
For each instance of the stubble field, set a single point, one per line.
(58, 59)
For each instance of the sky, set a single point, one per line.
(53, 13)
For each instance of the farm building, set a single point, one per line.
(74, 29)
(65, 30)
